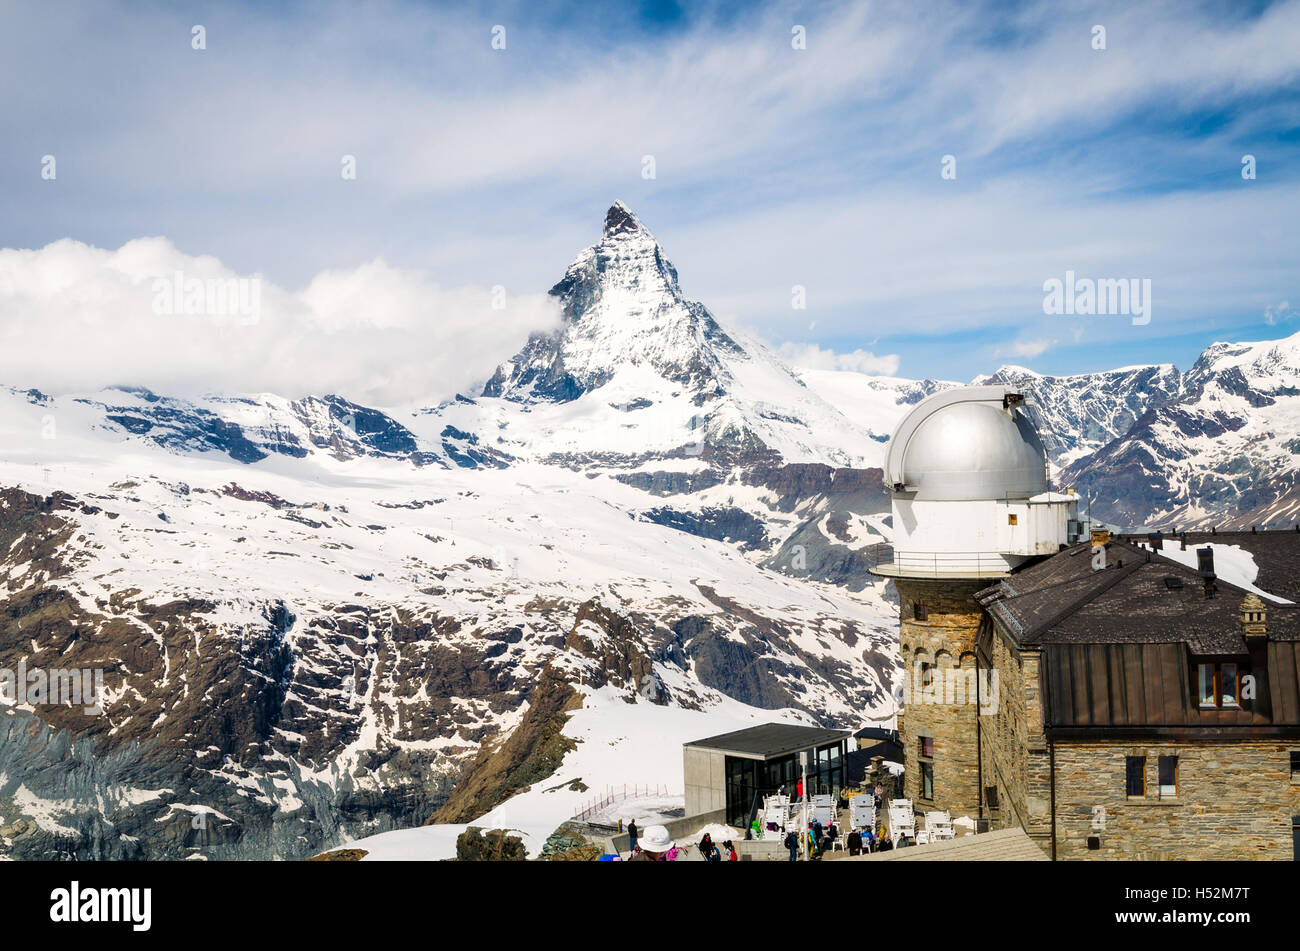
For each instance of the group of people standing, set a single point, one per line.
(656, 845)
(712, 853)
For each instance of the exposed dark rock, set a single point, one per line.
(532, 752)
(721, 524)
(497, 845)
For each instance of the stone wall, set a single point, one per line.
(1013, 746)
(945, 638)
(1235, 800)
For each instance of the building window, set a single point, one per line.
(1207, 691)
(1218, 686)
(1135, 780)
(1229, 686)
(1012, 519)
(927, 674)
(918, 611)
(927, 780)
(1167, 766)
(927, 746)
(1295, 764)
(991, 796)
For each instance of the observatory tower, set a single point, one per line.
(967, 475)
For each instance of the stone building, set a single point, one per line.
(1112, 698)
(1148, 709)
(971, 502)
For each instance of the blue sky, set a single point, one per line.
(774, 167)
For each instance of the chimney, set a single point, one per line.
(1254, 619)
(1156, 540)
(1184, 541)
(1205, 562)
(1205, 565)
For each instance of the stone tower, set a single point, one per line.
(967, 474)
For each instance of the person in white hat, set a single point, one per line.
(654, 842)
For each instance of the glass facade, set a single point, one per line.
(751, 779)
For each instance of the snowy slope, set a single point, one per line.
(366, 616)
(877, 404)
(315, 613)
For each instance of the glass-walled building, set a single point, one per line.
(733, 771)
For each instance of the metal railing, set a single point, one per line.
(612, 795)
(943, 564)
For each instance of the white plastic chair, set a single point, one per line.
(862, 812)
(902, 820)
(939, 825)
(900, 824)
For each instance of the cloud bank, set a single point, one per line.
(75, 317)
(809, 356)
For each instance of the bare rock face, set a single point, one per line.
(496, 845)
(618, 649)
(568, 844)
(532, 752)
(340, 855)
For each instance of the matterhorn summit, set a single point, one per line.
(622, 307)
(637, 366)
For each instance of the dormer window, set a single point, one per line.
(1219, 686)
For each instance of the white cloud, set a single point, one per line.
(1275, 313)
(1025, 348)
(809, 356)
(75, 317)
(775, 167)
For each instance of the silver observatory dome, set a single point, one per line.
(968, 443)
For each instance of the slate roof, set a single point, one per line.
(1119, 644)
(1062, 600)
(770, 739)
(1277, 555)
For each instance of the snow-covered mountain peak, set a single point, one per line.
(1267, 364)
(623, 308)
(637, 367)
(1010, 371)
(621, 220)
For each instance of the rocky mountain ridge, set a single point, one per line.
(319, 620)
